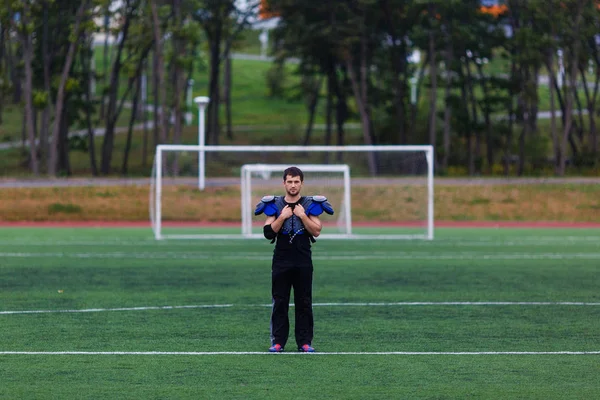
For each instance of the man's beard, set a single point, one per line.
(294, 193)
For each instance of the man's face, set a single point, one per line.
(292, 185)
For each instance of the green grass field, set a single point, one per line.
(475, 313)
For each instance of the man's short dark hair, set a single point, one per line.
(293, 172)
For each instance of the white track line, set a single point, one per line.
(238, 353)
(368, 304)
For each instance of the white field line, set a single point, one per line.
(346, 257)
(459, 303)
(357, 304)
(346, 353)
(92, 310)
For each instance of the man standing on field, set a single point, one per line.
(293, 222)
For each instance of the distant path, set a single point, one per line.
(196, 224)
(216, 182)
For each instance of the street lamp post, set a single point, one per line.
(561, 69)
(188, 102)
(201, 102)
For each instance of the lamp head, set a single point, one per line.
(201, 101)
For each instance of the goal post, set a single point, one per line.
(269, 177)
(389, 192)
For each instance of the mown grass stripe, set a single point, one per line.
(254, 256)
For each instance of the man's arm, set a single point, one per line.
(277, 222)
(312, 223)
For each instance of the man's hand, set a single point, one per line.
(287, 212)
(276, 223)
(299, 211)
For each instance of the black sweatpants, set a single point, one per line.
(284, 278)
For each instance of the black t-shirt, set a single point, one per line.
(294, 252)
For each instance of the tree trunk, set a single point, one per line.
(60, 96)
(14, 74)
(27, 43)
(2, 57)
(156, 114)
(24, 132)
(160, 91)
(112, 111)
(215, 98)
(553, 131)
(179, 84)
(399, 70)
(145, 138)
(398, 64)
(312, 107)
(91, 135)
(475, 115)
(115, 110)
(132, 118)
(447, 125)
(591, 109)
(365, 119)
(341, 115)
(64, 166)
(433, 89)
(400, 107)
(448, 59)
(593, 143)
(511, 119)
(523, 105)
(522, 136)
(468, 121)
(487, 119)
(105, 62)
(592, 117)
(579, 112)
(47, 65)
(86, 63)
(227, 94)
(571, 83)
(329, 110)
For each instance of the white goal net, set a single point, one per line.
(379, 192)
(331, 181)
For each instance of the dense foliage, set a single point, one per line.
(475, 90)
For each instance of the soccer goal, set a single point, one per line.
(378, 192)
(332, 181)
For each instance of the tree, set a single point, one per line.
(572, 51)
(60, 96)
(25, 30)
(114, 107)
(591, 57)
(158, 71)
(222, 21)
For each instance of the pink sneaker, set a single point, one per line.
(306, 348)
(276, 348)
